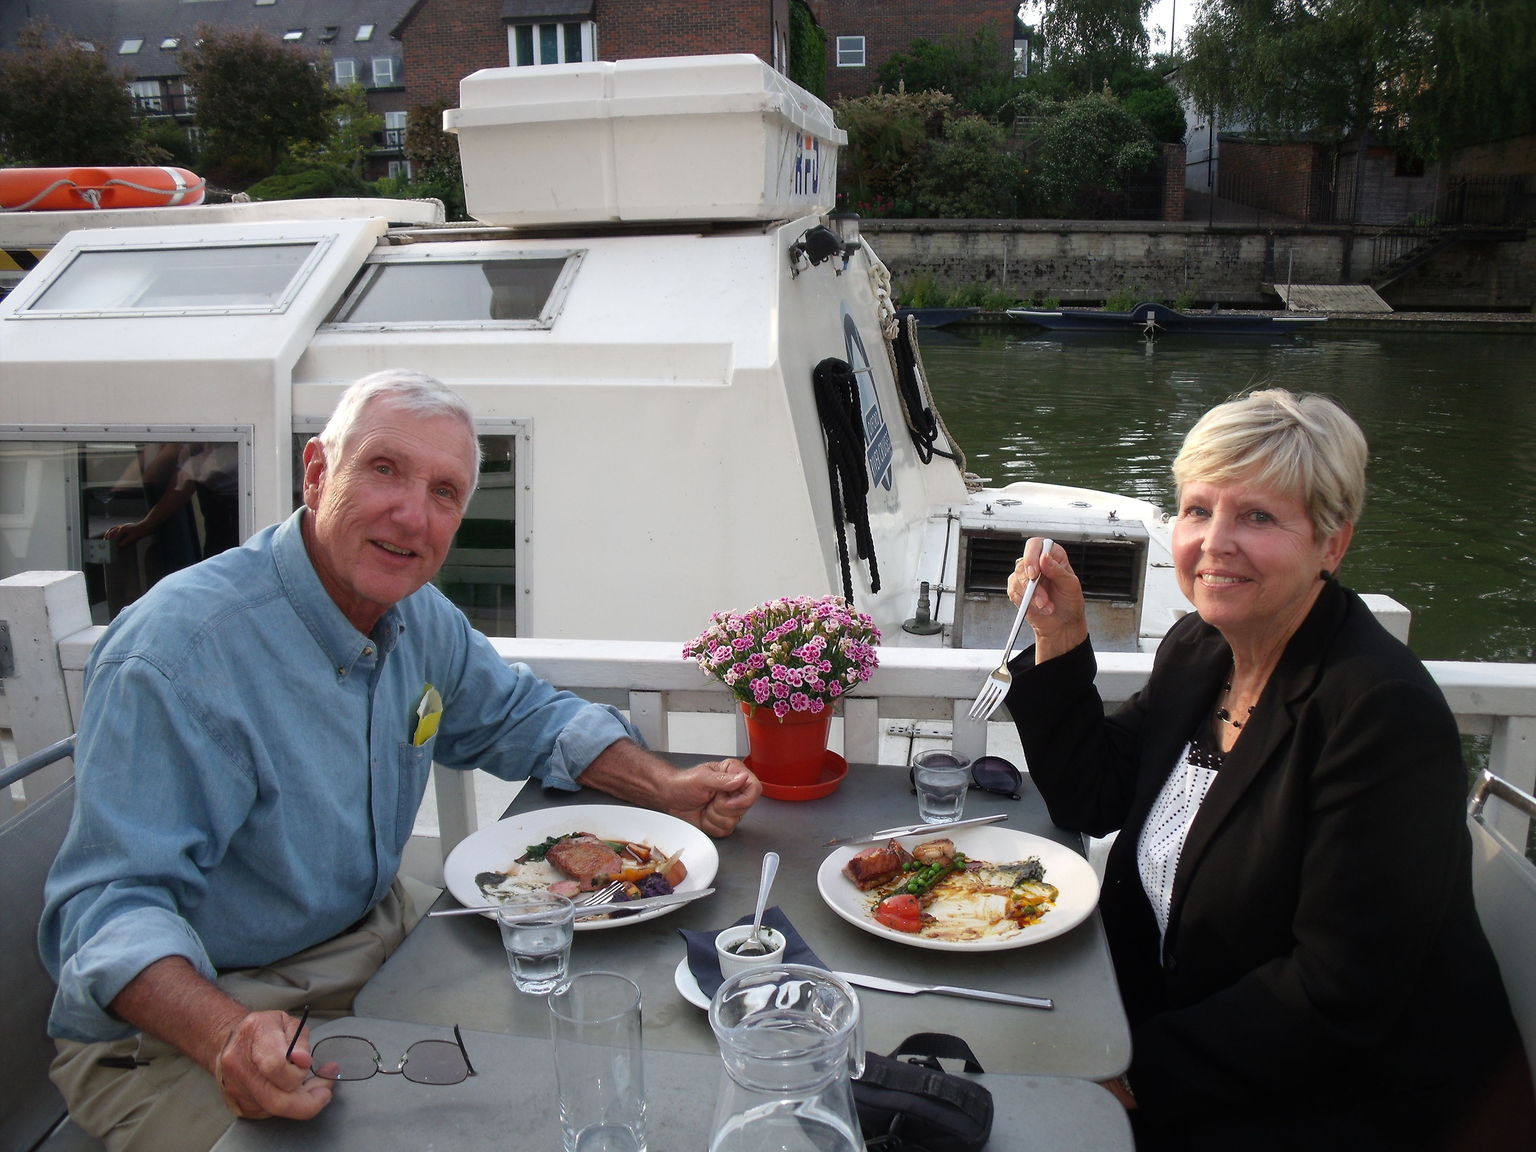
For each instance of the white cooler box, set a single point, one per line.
(676, 138)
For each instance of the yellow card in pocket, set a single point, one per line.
(428, 712)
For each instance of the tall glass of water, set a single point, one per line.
(599, 1067)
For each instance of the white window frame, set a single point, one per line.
(384, 77)
(350, 69)
(588, 42)
(851, 52)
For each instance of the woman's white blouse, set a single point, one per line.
(1162, 837)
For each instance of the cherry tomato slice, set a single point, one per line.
(902, 913)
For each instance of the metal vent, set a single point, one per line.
(1109, 569)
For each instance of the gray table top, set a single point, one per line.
(510, 1103)
(453, 969)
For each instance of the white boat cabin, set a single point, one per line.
(637, 318)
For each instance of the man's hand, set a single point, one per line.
(246, 1052)
(712, 797)
(257, 1076)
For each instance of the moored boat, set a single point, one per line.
(653, 360)
(1153, 320)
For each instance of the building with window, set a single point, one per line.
(864, 34)
(146, 38)
(446, 40)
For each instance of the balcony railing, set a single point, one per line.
(48, 619)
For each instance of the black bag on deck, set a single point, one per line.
(913, 1105)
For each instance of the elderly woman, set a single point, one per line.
(1289, 901)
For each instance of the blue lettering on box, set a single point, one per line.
(807, 165)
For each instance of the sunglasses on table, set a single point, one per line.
(354, 1058)
(989, 774)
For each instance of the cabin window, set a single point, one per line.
(850, 51)
(479, 573)
(158, 281)
(524, 292)
(176, 500)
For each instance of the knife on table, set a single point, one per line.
(915, 829)
(585, 910)
(884, 985)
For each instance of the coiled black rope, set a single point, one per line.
(921, 421)
(837, 404)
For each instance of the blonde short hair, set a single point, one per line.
(1300, 443)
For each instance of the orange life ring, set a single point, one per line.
(64, 189)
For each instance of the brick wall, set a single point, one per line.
(890, 26)
(635, 29)
(1273, 177)
(446, 40)
(1173, 181)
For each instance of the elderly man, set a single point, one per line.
(254, 745)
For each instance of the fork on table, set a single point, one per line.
(995, 686)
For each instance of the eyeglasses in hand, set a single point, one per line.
(354, 1058)
(990, 774)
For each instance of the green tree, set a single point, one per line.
(1087, 153)
(62, 105)
(354, 133)
(971, 173)
(891, 138)
(807, 50)
(434, 158)
(1090, 43)
(256, 98)
(1430, 76)
(977, 72)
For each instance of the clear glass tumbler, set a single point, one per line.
(599, 1066)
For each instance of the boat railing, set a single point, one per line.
(51, 637)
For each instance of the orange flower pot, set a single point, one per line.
(791, 751)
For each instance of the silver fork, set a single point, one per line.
(601, 895)
(995, 686)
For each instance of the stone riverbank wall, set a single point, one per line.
(1085, 262)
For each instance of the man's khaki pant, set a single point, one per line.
(171, 1104)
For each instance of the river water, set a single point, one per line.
(1450, 518)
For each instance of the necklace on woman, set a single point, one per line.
(1223, 714)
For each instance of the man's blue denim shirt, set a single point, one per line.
(246, 773)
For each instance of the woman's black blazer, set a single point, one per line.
(1322, 944)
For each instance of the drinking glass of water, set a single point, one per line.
(941, 779)
(536, 931)
(599, 1065)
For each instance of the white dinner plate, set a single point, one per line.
(495, 847)
(1073, 876)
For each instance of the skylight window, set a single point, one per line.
(129, 47)
(329, 34)
(294, 34)
(364, 32)
(170, 44)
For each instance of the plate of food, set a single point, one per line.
(577, 849)
(973, 890)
